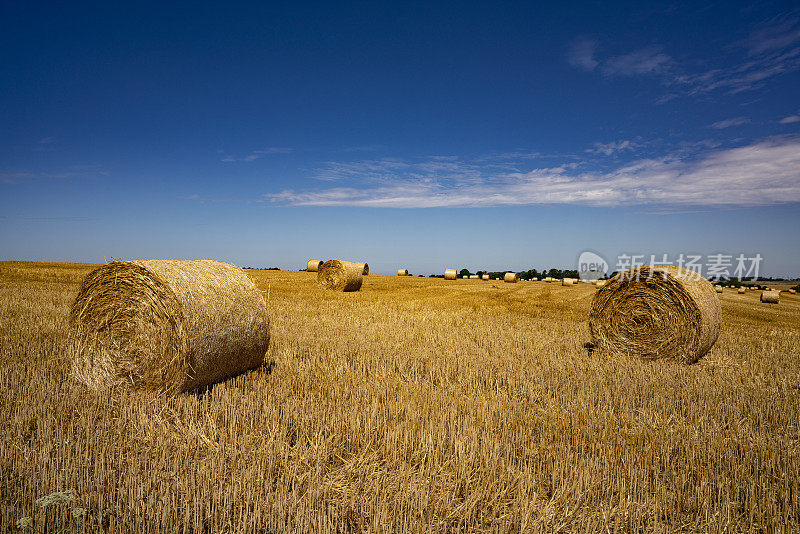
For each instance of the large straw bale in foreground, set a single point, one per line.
(167, 325)
(511, 277)
(340, 275)
(660, 311)
(450, 274)
(312, 266)
(771, 297)
(402, 272)
(364, 268)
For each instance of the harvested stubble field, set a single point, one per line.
(414, 404)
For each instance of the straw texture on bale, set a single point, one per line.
(313, 265)
(660, 311)
(364, 268)
(340, 275)
(741, 290)
(511, 277)
(167, 325)
(450, 274)
(402, 272)
(771, 297)
(718, 289)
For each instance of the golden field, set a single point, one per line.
(415, 404)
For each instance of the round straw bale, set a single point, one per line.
(567, 282)
(313, 265)
(473, 277)
(534, 279)
(450, 274)
(771, 297)
(741, 290)
(340, 275)
(484, 277)
(718, 289)
(167, 325)
(364, 268)
(792, 291)
(402, 272)
(511, 277)
(659, 311)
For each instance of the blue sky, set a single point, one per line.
(407, 135)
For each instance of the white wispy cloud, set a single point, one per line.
(649, 60)
(727, 123)
(73, 171)
(258, 154)
(790, 119)
(762, 173)
(607, 149)
(771, 49)
(581, 54)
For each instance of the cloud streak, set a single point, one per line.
(75, 171)
(727, 123)
(609, 149)
(763, 173)
(581, 54)
(771, 49)
(647, 61)
(258, 154)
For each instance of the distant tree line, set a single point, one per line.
(524, 275)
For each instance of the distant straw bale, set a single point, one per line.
(511, 277)
(660, 311)
(450, 274)
(718, 289)
(402, 272)
(340, 275)
(771, 297)
(167, 325)
(313, 265)
(741, 290)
